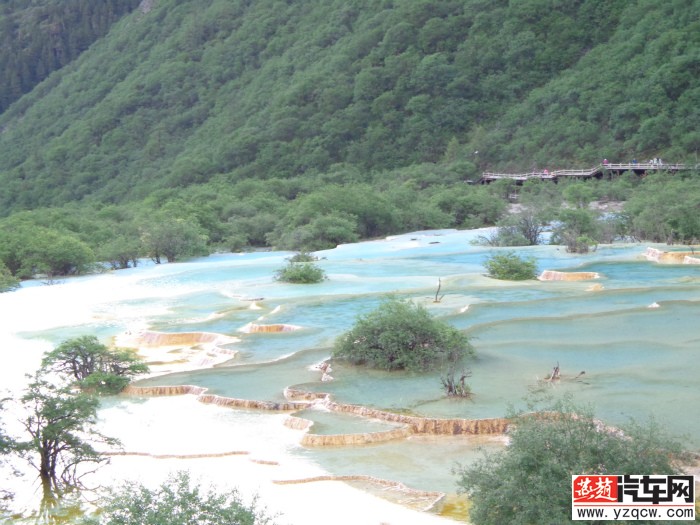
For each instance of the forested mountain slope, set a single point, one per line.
(636, 96)
(192, 92)
(41, 36)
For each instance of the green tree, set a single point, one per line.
(121, 251)
(402, 335)
(57, 254)
(578, 194)
(320, 233)
(470, 206)
(529, 481)
(503, 188)
(30, 249)
(175, 502)
(93, 366)
(511, 267)
(542, 197)
(528, 224)
(60, 433)
(7, 280)
(173, 239)
(415, 210)
(577, 230)
(339, 212)
(662, 209)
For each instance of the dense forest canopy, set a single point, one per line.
(38, 37)
(304, 124)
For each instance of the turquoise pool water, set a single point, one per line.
(638, 361)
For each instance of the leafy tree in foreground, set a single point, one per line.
(402, 335)
(60, 433)
(530, 480)
(176, 502)
(94, 366)
(511, 267)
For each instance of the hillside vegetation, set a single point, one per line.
(305, 124)
(40, 36)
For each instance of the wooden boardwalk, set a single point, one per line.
(600, 171)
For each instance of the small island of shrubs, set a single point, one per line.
(402, 335)
(300, 269)
(509, 266)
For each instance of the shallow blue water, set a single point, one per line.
(520, 330)
(638, 361)
(328, 423)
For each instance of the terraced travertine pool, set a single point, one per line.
(634, 331)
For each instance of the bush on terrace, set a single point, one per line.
(402, 335)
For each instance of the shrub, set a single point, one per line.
(300, 273)
(509, 266)
(401, 335)
(175, 502)
(529, 481)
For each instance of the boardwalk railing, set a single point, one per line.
(596, 171)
